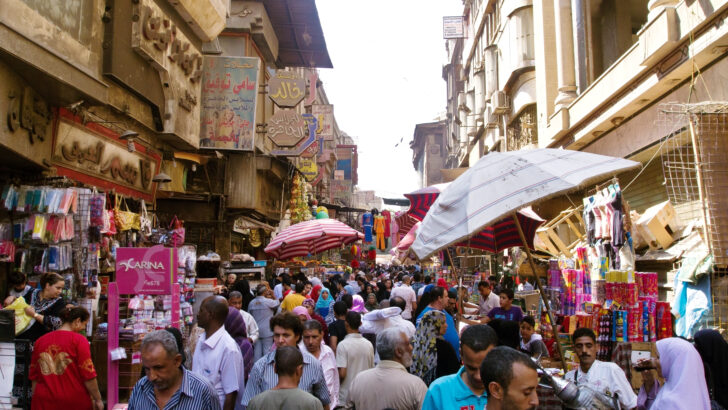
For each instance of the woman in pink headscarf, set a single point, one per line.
(302, 313)
(682, 368)
(358, 305)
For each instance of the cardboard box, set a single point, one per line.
(642, 347)
(657, 224)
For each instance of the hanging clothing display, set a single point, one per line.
(367, 222)
(379, 230)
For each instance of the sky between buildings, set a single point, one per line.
(387, 77)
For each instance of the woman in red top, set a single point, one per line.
(61, 369)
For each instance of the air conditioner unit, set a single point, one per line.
(491, 120)
(501, 103)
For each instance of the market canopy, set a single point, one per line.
(501, 183)
(422, 199)
(311, 237)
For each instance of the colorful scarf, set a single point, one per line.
(358, 305)
(235, 326)
(300, 310)
(424, 355)
(368, 305)
(315, 292)
(682, 368)
(323, 302)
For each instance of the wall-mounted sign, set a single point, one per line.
(308, 168)
(30, 112)
(286, 128)
(339, 175)
(94, 154)
(304, 144)
(453, 27)
(324, 113)
(147, 271)
(339, 189)
(286, 89)
(156, 38)
(229, 95)
(312, 150)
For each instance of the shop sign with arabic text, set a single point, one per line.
(286, 89)
(94, 155)
(229, 95)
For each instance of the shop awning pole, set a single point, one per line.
(540, 290)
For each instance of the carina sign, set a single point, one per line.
(148, 271)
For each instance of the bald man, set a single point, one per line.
(217, 356)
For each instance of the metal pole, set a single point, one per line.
(540, 290)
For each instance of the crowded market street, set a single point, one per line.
(327, 204)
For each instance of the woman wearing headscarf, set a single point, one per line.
(349, 290)
(442, 283)
(685, 386)
(371, 303)
(433, 356)
(235, 326)
(358, 304)
(713, 349)
(315, 292)
(302, 313)
(310, 306)
(324, 305)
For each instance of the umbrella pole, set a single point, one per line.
(540, 290)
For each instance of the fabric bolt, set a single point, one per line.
(263, 377)
(218, 359)
(607, 378)
(451, 335)
(408, 294)
(407, 393)
(60, 364)
(236, 328)
(195, 393)
(425, 353)
(289, 399)
(713, 349)
(451, 392)
(355, 354)
(262, 309)
(682, 369)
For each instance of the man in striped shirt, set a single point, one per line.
(167, 384)
(287, 331)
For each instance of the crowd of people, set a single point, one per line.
(300, 343)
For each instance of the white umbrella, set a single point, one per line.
(501, 183)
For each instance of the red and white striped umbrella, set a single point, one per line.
(311, 237)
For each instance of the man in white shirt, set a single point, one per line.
(354, 354)
(313, 343)
(405, 325)
(217, 356)
(235, 299)
(428, 281)
(488, 299)
(604, 377)
(405, 292)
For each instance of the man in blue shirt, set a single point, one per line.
(438, 299)
(465, 389)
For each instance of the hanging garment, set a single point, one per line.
(379, 230)
(617, 219)
(367, 221)
(387, 223)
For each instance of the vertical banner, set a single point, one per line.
(324, 113)
(229, 95)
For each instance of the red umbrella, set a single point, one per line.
(422, 199)
(311, 237)
(494, 238)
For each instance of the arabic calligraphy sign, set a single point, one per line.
(324, 113)
(308, 168)
(286, 128)
(286, 89)
(98, 158)
(229, 94)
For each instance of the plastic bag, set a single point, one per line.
(22, 321)
(145, 223)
